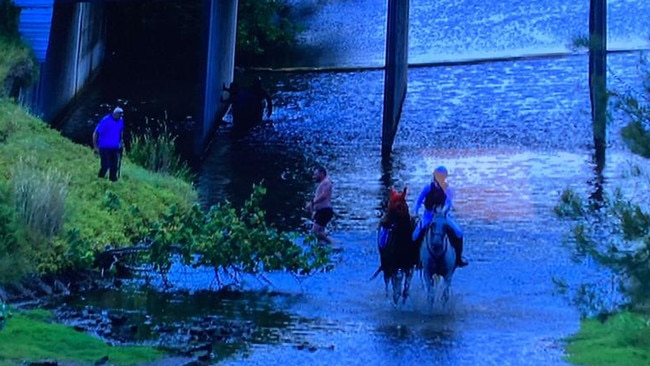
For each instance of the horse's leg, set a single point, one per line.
(407, 284)
(398, 278)
(387, 279)
(435, 288)
(428, 283)
(426, 270)
(446, 292)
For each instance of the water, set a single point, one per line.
(513, 135)
(449, 30)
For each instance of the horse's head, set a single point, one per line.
(435, 235)
(397, 205)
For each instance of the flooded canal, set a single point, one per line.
(513, 135)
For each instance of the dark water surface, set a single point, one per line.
(512, 134)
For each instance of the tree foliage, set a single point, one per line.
(232, 241)
(615, 232)
(635, 106)
(264, 30)
(18, 66)
(9, 18)
(615, 235)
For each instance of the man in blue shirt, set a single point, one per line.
(437, 197)
(107, 140)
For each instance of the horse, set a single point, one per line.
(398, 254)
(437, 257)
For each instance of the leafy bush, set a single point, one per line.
(232, 241)
(9, 18)
(18, 66)
(570, 205)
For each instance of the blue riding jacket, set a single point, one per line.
(428, 214)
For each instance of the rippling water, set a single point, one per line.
(353, 32)
(513, 135)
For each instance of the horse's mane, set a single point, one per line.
(397, 206)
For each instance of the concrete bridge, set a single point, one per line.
(69, 40)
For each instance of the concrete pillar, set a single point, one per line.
(598, 74)
(395, 74)
(75, 50)
(220, 35)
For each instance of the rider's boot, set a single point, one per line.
(458, 245)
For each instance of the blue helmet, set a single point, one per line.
(441, 169)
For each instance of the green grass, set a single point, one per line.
(622, 340)
(28, 336)
(98, 211)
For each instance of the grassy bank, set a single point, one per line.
(622, 340)
(56, 213)
(30, 336)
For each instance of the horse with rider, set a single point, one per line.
(434, 243)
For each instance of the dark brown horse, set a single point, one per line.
(398, 254)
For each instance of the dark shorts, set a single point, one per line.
(323, 216)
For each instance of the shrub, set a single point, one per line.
(18, 66)
(13, 256)
(157, 153)
(615, 235)
(263, 29)
(570, 205)
(9, 18)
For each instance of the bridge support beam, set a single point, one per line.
(68, 40)
(220, 35)
(395, 74)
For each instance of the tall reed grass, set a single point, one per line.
(157, 152)
(40, 199)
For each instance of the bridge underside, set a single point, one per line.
(77, 48)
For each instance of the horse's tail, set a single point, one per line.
(376, 273)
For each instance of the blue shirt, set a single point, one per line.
(109, 132)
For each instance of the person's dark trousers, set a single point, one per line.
(457, 243)
(109, 163)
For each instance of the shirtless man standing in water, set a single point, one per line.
(321, 205)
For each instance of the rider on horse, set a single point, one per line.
(437, 197)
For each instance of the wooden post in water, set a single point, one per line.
(395, 73)
(598, 75)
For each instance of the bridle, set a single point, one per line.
(435, 233)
